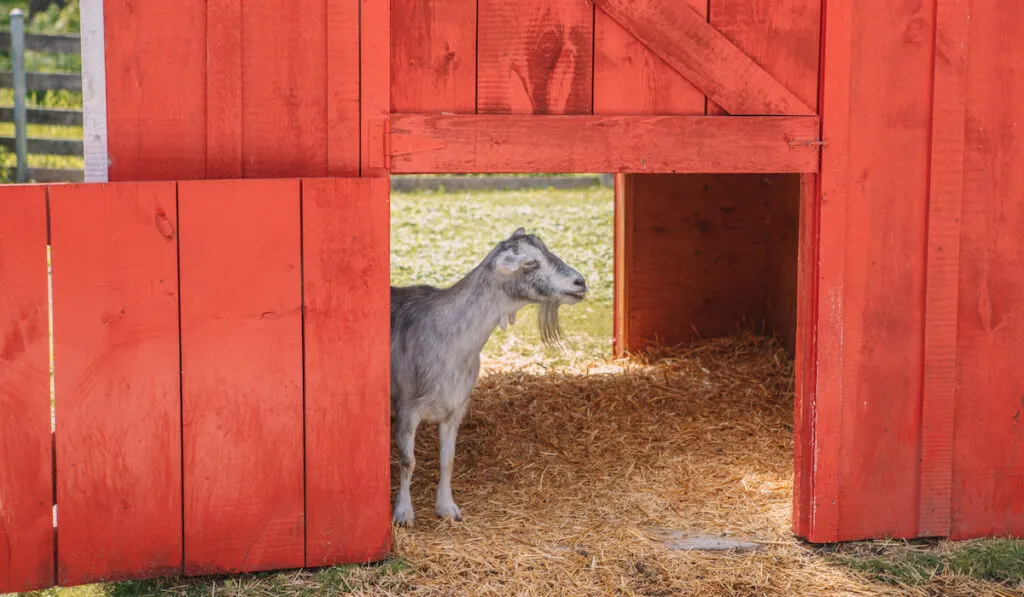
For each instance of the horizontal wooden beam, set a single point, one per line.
(422, 143)
(72, 147)
(53, 175)
(54, 44)
(56, 116)
(45, 81)
(714, 65)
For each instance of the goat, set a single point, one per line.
(436, 339)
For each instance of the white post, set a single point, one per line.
(94, 91)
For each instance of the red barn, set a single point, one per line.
(849, 173)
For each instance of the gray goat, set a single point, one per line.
(437, 336)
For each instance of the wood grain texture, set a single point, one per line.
(224, 89)
(347, 316)
(284, 104)
(683, 38)
(342, 87)
(26, 473)
(241, 351)
(117, 381)
(156, 106)
(518, 143)
(623, 239)
(535, 57)
(989, 419)
(781, 36)
(942, 294)
(631, 79)
(885, 241)
(783, 233)
(702, 256)
(375, 85)
(433, 56)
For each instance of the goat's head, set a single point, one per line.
(533, 274)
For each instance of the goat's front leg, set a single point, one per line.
(447, 431)
(405, 437)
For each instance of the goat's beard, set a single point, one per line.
(547, 321)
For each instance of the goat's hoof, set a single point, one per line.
(403, 517)
(449, 512)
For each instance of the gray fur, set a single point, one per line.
(437, 336)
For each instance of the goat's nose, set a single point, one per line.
(580, 283)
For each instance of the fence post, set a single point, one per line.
(20, 117)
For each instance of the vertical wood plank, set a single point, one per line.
(241, 349)
(342, 87)
(156, 89)
(116, 375)
(535, 57)
(947, 163)
(26, 473)
(884, 252)
(375, 85)
(631, 79)
(224, 89)
(284, 88)
(625, 219)
(433, 56)
(782, 36)
(989, 418)
(347, 308)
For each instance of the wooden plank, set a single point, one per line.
(26, 457)
(284, 83)
(433, 63)
(44, 175)
(631, 79)
(829, 315)
(55, 116)
(53, 44)
(45, 81)
(241, 349)
(624, 220)
(535, 57)
(343, 87)
(224, 90)
(156, 105)
(943, 267)
(375, 85)
(71, 147)
(781, 230)
(781, 36)
(989, 429)
(705, 57)
(116, 363)
(94, 91)
(885, 244)
(515, 143)
(347, 318)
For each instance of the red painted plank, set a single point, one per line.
(706, 58)
(375, 84)
(522, 143)
(224, 89)
(284, 88)
(26, 473)
(156, 89)
(940, 356)
(116, 374)
(433, 56)
(346, 280)
(989, 432)
(241, 348)
(343, 87)
(535, 57)
(884, 239)
(782, 36)
(631, 79)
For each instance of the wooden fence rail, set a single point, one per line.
(21, 82)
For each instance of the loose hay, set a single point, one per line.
(568, 480)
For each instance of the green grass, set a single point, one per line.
(997, 560)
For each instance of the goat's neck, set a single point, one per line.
(477, 305)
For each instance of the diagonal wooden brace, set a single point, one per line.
(714, 65)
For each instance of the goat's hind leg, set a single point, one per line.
(447, 432)
(405, 438)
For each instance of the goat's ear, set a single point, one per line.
(519, 232)
(508, 262)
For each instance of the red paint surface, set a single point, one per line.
(241, 349)
(375, 85)
(346, 265)
(115, 320)
(26, 474)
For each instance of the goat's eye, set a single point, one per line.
(531, 264)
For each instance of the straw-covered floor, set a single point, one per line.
(575, 483)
